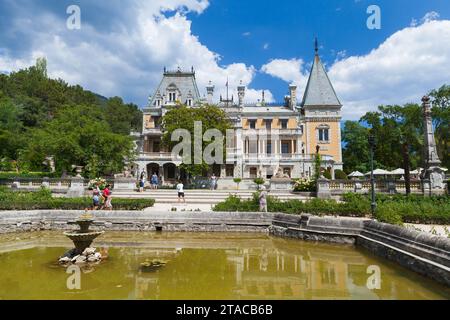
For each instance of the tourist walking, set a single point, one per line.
(142, 182)
(263, 199)
(180, 189)
(213, 182)
(107, 197)
(154, 181)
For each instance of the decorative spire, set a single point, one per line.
(316, 46)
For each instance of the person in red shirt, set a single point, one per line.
(107, 198)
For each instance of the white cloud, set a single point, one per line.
(430, 16)
(266, 46)
(291, 71)
(402, 69)
(247, 34)
(127, 61)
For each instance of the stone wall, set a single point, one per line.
(423, 253)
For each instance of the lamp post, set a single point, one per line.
(373, 204)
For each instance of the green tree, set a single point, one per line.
(355, 147)
(11, 138)
(123, 118)
(406, 125)
(79, 135)
(182, 117)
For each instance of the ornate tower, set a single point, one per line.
(241, 94)
(293, 95)
(210, 93)
(431, 157)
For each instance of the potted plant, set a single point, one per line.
(259, 182)
(237, 181)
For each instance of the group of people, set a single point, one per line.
(154, 181)
(101, 199)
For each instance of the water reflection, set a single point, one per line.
(212, 266)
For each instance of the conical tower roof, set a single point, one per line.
(319, 90)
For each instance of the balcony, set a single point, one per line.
(280, 132)
(152, 131)
(159, 156)
(276, 158)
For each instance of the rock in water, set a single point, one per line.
(88, 251)
(92, 259)
(64, 260)
(98, 256)
(80, 259)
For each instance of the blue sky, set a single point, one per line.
(121, 49)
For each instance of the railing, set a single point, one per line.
(272, 131)
(152, 131)
(159, 156)
(364, 186)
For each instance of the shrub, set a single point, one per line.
(304, 185)
(327, 174)
(27, 175)
(43, 200)
(340, 175)
(259, 181)
(396, 209)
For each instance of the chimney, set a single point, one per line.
(293, 96)
(210, 93)
(241, 94)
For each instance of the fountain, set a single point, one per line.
(82, 240)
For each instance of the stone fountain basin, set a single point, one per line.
(83, 236)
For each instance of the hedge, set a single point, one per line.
(43, 200)
(391, 209)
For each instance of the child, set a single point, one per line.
(96, 200)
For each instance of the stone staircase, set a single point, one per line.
(200, 196)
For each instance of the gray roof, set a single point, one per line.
(184, 82)
(319, 90)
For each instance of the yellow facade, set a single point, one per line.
(332, 147)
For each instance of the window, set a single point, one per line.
(156, 122)
(324, 134)
(156, 146)
(189, 103)
(268, 124)
(269, 147)
(172, 97)
(284, 123)
(253, 173)
(252, 124)
(229, 170)
(285, 148)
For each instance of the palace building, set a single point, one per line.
(270, 139)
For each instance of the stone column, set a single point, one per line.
(323, 188)
(433, 176)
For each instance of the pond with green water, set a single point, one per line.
(204, 266)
